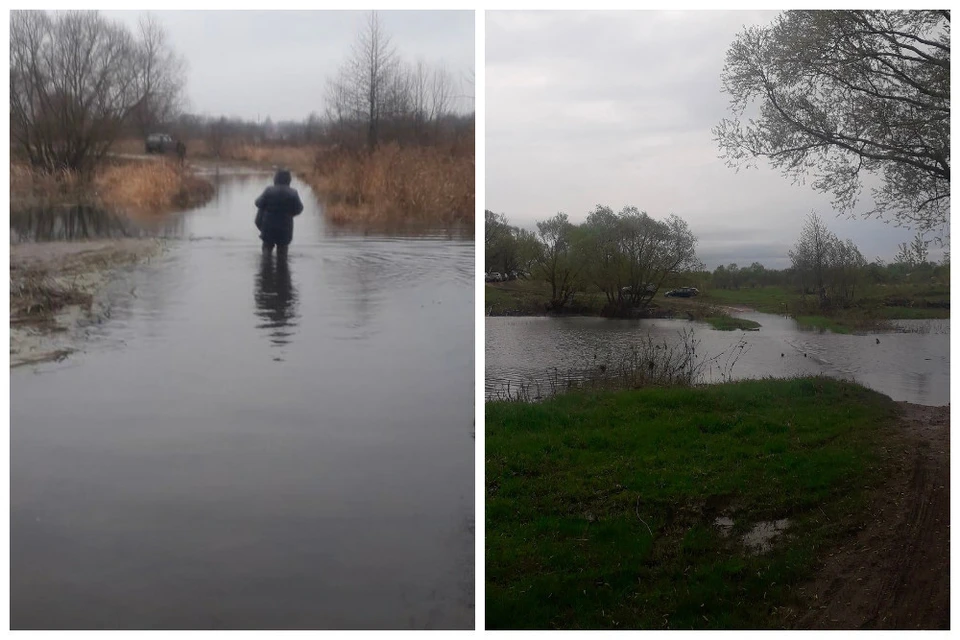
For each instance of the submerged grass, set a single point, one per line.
(876, 304)
(602, 505)
(729, 323)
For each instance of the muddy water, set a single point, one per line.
(911, 365)
(246, 444)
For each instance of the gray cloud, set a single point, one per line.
(617, 108)
(275, 63)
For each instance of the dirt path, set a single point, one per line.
(895, 574)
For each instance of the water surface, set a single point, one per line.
(250, 444)
(911, 365)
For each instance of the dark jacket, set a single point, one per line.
(280, 203)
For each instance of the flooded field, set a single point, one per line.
(244, 443)
(912, 364)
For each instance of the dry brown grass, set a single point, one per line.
(36, 296)
(29, 188)
(295, 158)
(395, 184)
(147, 187)
(132, 146)
(130, 188)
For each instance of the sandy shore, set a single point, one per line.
(54, 288)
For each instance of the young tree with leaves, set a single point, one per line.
(560, 261)
(836, 94)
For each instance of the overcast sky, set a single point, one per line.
(276, 63)
(616, 108)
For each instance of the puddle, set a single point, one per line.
(725, 525)
(760, 538)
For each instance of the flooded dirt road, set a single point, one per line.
(247, 444)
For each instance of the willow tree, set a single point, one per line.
(630, 254)
(835, 95)
(560, 260)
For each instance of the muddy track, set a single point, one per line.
(895, 572)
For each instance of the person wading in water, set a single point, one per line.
(276, 207)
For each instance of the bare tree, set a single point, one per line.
(374, 60)
(340, 109)
(441, 93)
(217, 131)
(380, 97)
(420, 90)
(75, 79)
(161, 77)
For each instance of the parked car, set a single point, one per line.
(160, 143)
(682, 292)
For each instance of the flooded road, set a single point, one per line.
(247, 444)
(913, 365)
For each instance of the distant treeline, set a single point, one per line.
(629, 256)
(68, 111)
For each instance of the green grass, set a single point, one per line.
(519, 297)
(601, 506)
(729, 323)
(764, 299)
(912, 313)
(888, 302)
(532, 297)
(860, 319)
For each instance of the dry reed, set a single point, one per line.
(395, 184)
(130, 188)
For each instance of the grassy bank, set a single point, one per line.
(532, 297)
(602, 507)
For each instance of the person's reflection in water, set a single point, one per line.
(276, 300)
